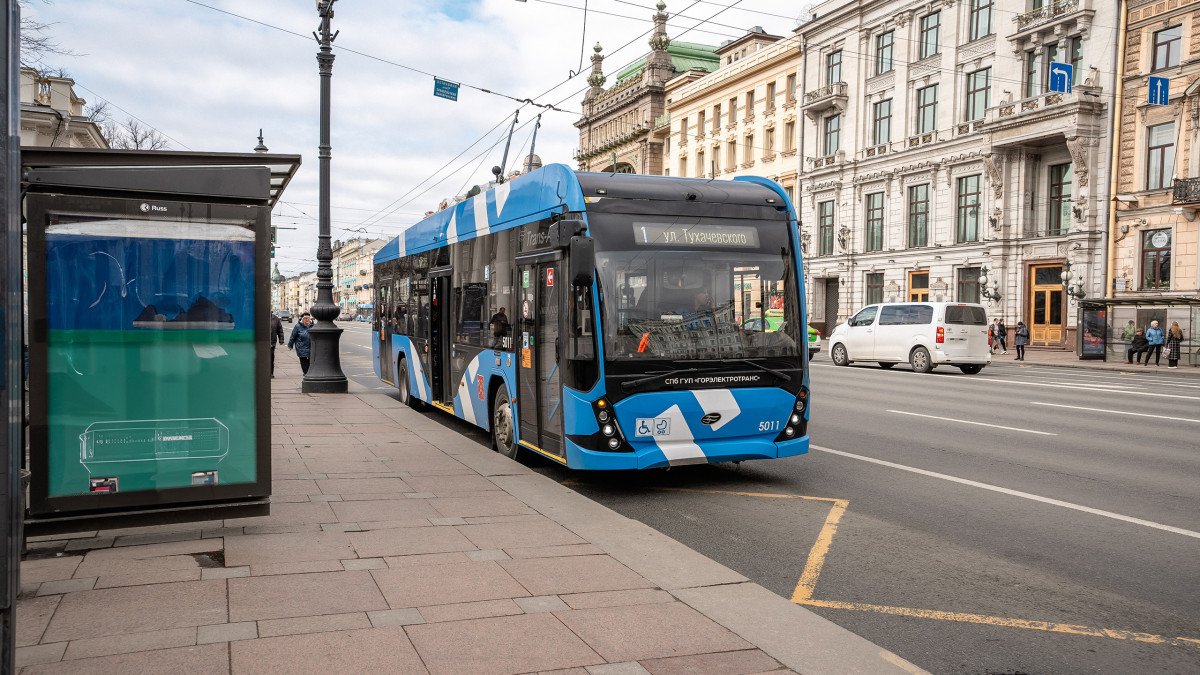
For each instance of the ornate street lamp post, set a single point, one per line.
(325, 375)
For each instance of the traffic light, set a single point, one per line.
(272, 241)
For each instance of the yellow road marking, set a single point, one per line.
(816, 561)
(1005, 622)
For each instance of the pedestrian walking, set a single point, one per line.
(1155, 337)
(1127, 335)
(1139, 346)
(1002, 334)
(1020, 339)
(1174, 343)
(275, 337)
(994, 335)
(301, 341)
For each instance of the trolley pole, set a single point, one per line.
(325, 375)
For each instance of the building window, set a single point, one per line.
(790, 191)
(1166, 47)
(789, 136)
(931, 35)
(1156, 259)
(1060, 199)
(968, 285)
(683, 133)
(1076, 59)
(967, 214)
(716, 117)
(716, 160)
(700, 123)
(701, 167)
(885, 46)
(825, 228)
(770, 96)
(874, 288)
(874, 233)
(833, 68)
(769, 142)
(748, 151)
(682, 166)
(1033, 74)
(918, 216)
(981, 18)
(881, 122)
(1160, 156)
(833, 133)
(750, 104)
(979, 89)
(927, 99)
(731, 154)
(791, 87)
(733, 110)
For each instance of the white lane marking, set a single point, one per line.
(1117, 412)
(1102, 384)
(1013, 493)
(719, 401)
(1098, 388)
(981, 424)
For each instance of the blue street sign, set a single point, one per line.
(1160, 91)
(1060, 77)
(445, 89)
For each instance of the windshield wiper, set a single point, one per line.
(777, 373)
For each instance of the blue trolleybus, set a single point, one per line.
(605, 321)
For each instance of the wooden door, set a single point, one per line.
(1046, 305)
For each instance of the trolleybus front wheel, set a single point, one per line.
(406, 396)
(503, 437)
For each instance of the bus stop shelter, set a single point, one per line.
(148, 302)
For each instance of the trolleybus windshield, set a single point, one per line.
(689, 289)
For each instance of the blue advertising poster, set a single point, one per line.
(150, 350)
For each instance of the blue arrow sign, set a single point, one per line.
(1160, 91)
(445, 89)
(1060, 77)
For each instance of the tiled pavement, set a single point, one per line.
(395, 545)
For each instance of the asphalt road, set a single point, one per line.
(1024, 520)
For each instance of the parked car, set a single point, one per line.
(814, 342)
(923, 334)
(284, 315)
(346, 316)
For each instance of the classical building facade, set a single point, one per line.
(941, 147)
(1155, 265)
(52, 115)
(354, 275)
(615, 130)
(740, 120)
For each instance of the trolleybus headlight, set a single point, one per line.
(614, 443)
(603, 416)
(789, 432)
(795, 418)
(800, 405)
(608, 430)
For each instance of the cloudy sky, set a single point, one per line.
(208, 74)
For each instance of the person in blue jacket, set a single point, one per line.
(301, 340)
(1155, 336)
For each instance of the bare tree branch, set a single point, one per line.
(132, 135)
(36, 41)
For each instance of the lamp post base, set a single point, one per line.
(325, 374)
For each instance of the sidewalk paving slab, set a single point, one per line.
(396, 544)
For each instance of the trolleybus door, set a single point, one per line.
(384, 322)
(439, 331)
(540, 384)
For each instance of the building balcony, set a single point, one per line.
(1186, 191)
(1047, 114)
(818, 101)
(1046, 13)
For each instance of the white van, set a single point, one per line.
(924, 334)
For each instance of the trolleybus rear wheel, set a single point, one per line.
(503, 436)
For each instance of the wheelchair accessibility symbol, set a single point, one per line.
(652, 426)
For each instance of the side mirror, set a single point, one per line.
(563, 231)
(582, 260)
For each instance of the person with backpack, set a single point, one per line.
(1002, 335)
